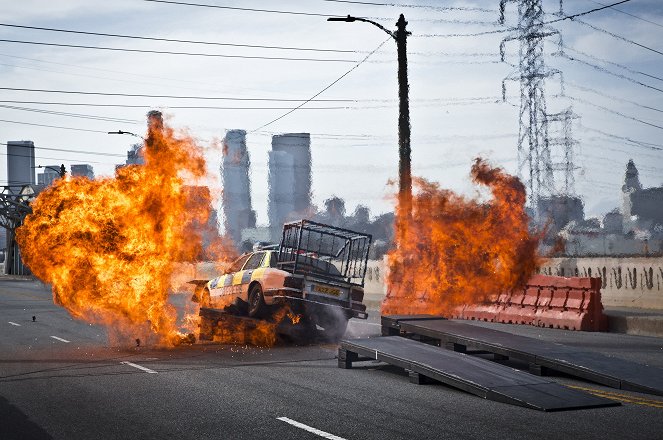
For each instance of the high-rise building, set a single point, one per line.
(20, 163)
(237, 209)
(281, 183)
(298, 145)
(289, 179)
(84, 170)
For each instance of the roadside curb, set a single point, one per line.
(640, 324)
(17, 278)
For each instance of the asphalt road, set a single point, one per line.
(62, 379)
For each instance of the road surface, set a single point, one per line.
(62, 379)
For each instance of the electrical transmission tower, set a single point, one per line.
(535, 167)
(565, 164)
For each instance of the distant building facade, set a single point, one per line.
(643, 207)
(289, 179)
(83, 170)
(237, 210)
(557, 211)
(636, 230)
(20, 163)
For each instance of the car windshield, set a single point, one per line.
(238, 263)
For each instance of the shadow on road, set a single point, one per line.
(16, 425)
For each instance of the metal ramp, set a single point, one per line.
(541, 355)
(474, 375)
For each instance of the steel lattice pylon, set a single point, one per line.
(14, 206)
(566, 161)
(535, 167)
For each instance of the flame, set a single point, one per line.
(109, 246)
(454, 250)
(294, 317)
(231, 329)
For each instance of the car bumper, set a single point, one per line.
(357, 310)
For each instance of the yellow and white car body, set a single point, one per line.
(279, 286)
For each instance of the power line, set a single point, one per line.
(70, 151)
(198, 107)
(628, 69)
(129, 121)
(619, 37)
(326, 88)
(580, 14)
(630, 15)
(615, 112)
(616, 98)
(167, 52)
(474, 34)
(103, 70)
(53, 126)
(139, 95)
(233, 8)
(54, 158)
(479, 99)
(404, 5)
(170, 40)
(501, 31)
(641, 144)
(73, 115)
(609, 72)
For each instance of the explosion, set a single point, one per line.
(454, 250)
(109, 246)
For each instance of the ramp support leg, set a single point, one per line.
(346, 358)
(419, 379)
(460, 348)
(389, 331)
(539, 370)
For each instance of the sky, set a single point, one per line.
(614, 86)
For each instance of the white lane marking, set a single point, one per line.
(60, 339)
(140, 367)
(13, 323)
(315, 431)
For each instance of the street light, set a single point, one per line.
(404, 151)
(61, 171)
(126, 132)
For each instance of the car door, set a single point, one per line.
(242, 279)
(223, 285)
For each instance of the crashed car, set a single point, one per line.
(317, 271)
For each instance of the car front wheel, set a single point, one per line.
(257, 307)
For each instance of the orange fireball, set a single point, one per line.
(108, 246)
(454, 250)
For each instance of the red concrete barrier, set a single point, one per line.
(545, 301)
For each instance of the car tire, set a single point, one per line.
(257, 307)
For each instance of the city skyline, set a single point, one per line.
(457, 110)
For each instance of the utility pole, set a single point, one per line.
(404, 151)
